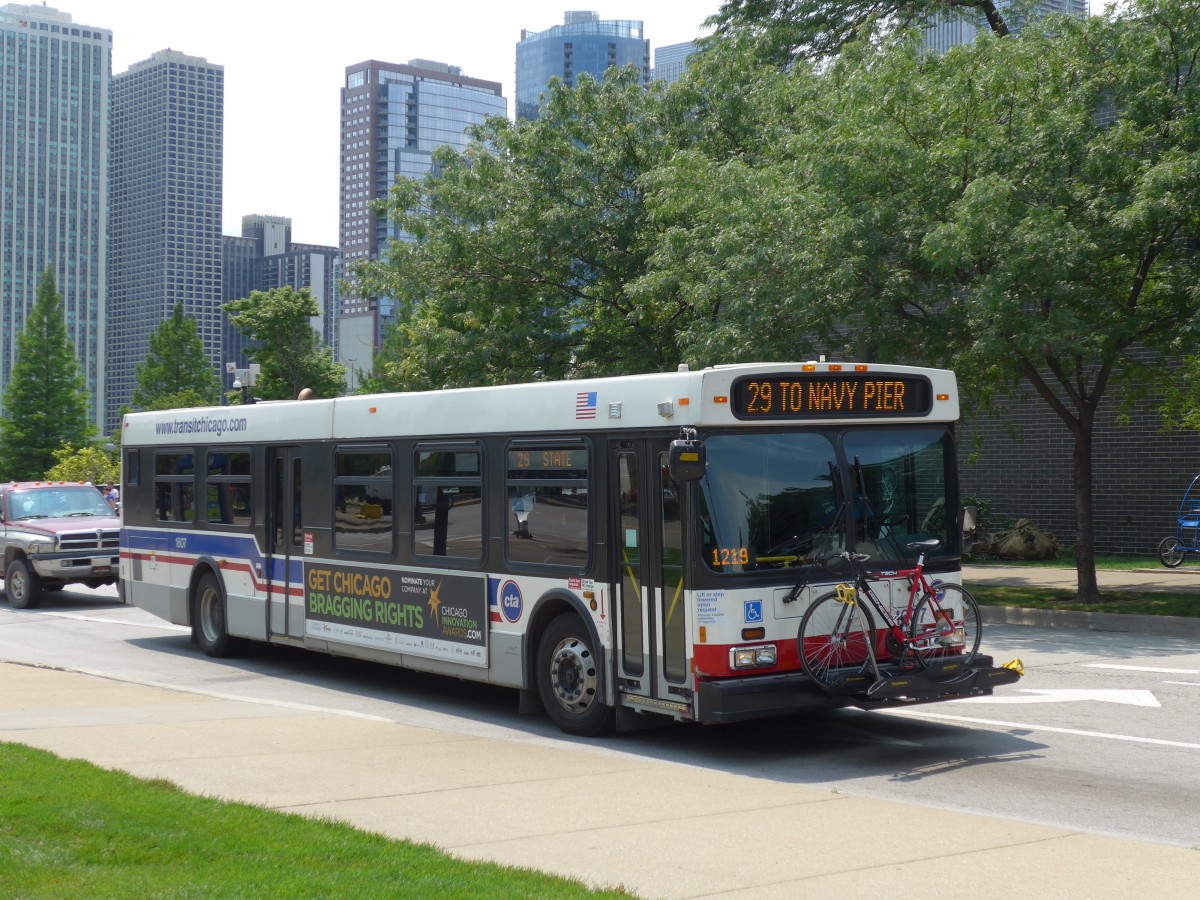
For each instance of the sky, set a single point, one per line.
(285, 63)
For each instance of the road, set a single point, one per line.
(1102, 735)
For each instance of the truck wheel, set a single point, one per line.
(22, 584)
(208, 619)
(568, 677)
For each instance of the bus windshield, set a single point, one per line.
(777, 500)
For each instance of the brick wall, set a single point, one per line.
(1020, 459)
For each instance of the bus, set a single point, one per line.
(617, 550)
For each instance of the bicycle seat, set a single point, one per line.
(929, 544)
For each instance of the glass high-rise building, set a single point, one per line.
(671, 61)
(54, 101)
(962, 26)
(393, 117)
(583, 43)
(165, 244)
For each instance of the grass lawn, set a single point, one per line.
(1066, 560)
(69, 829)
(1158, 603)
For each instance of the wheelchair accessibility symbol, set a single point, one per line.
(754, 611)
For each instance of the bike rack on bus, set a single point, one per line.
(941, 680)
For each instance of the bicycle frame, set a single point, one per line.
(898, 628)
(849, 594)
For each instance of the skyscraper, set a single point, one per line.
(393, 118)
(961, 27)
(54, 97)
(671, 61)
(165, 248)
(583, 43)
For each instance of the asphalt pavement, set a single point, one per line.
(582, 809)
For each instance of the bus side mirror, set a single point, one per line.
(970, 518)
(686, 460)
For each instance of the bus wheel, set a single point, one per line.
(208, 619)
(568, 677)
(22, 584)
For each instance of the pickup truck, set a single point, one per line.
(53, 534)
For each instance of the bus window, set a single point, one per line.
(447, 503)
(228, 488)
(174, 474)
(768, 501)
(899, 478)
(547, 496)
(363, 491)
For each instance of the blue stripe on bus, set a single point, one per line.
(208, 543)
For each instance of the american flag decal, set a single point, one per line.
(585, 405)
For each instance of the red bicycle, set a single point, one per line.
(935, 637)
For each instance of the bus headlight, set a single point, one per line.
(752, 657)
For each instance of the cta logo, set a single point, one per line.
(510, 601)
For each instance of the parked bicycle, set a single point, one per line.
(933, 640)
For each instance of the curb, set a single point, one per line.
(1167, 626)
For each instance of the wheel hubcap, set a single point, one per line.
(573, 675)
(209, 612)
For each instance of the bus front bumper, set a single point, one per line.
(740, 699)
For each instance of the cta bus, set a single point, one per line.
(615, 549)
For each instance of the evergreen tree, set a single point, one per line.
(176, 371)
(45, 403)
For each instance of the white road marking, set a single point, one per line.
(1069, 695)
(1142, 669)
(164, 626)
(918, 714)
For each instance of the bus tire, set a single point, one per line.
(22, 584)
(568, 679)
(209, 619)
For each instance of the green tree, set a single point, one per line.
(176, 371)
(525, 245)
(45, 403)
(783, 31)
(278, 325)
(88, 463)
(1021, 210)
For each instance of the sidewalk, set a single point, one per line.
(594, 813)
(1147, 580)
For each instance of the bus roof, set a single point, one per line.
(750, 394)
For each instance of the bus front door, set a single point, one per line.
(651, 627)
(284, 578)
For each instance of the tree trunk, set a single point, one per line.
(1085, 529)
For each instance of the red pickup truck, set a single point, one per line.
(53, 534)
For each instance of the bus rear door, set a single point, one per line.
(284, 575)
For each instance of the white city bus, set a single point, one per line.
(618, 548)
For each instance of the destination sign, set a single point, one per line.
(831, 395)
(551, 461)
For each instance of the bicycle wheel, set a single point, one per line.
(946, 623)
(1171, 553)
(834, 635)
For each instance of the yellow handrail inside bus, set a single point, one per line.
(629, 569)
(675, 599)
